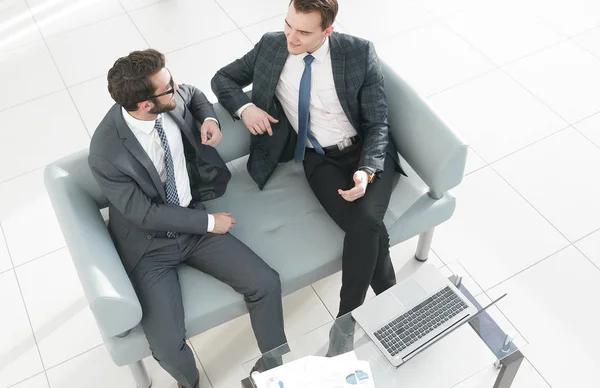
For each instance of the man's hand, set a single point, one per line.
(223, 223)
(257, 120)
(210, 134)
(360, 187)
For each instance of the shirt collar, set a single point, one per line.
(141, 125)
(321, 52)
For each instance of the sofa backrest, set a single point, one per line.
(423, 139)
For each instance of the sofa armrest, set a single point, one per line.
(428, 144)
(107, 287)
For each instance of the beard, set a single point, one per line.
(162, 108)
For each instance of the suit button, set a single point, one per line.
(149, 237)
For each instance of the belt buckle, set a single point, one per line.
(344, 144)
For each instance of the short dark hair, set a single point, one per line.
(129, 79)
(327, 8)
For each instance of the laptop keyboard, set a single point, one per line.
(420, 320)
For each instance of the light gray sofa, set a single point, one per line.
(269, 221)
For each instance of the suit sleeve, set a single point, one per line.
(228, 82)
(374, 112)
(197, 102)
(129, 199)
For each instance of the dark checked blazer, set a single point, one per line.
(358, 83)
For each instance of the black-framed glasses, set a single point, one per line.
(170, 91)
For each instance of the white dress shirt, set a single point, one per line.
(328, 122)
(149, 139)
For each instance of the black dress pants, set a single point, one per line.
(366, 255)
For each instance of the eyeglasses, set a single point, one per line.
(170, 91)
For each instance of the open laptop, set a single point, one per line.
(414, 313)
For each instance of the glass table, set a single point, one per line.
(449, 361)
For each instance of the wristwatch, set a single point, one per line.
(370, 173)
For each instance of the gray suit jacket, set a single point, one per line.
(359, 86)
(138, 211)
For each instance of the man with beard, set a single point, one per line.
(155, 168)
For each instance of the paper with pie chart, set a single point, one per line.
(344, 371)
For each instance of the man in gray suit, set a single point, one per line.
(156, 168)
(318, 96)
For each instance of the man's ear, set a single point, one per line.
(145, 105)
(329, 30)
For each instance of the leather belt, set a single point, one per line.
(342, 145)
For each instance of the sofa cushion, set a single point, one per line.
(286, 226)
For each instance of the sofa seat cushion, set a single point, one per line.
(286, 226)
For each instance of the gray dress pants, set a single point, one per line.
(227, 259)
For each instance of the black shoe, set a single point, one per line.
(341, 336)
(264, 364)
(267, 362)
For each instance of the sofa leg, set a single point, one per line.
(140, 375)
(424, 245)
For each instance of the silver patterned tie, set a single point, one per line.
(170, 184)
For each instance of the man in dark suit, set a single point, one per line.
(155, 168)
(318, 96)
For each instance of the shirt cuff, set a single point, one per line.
(211, 223)
(213, 119)
(239, 112)
(369, 169)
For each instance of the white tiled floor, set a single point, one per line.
(519, 80)
(5, 261)
(495, 115)
(418, 54)
(590, 128)
(590, 246)
(18, 26)
(62, 324)
(38, 381)
(542, 302)
(78, 60)
(19, 355)
(484, 28)
(564, 76)
(25, 210)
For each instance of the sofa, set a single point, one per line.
(269, 222)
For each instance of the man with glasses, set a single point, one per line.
(156, 168)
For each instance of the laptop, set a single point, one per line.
(415, 313)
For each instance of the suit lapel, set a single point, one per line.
(185, 128)
(278, 63)
(338, 65)
(135, 148)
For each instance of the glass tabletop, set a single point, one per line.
(445, 363)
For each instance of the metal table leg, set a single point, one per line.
(509, 366)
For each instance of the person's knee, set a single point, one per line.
(266, 283)
(366, 222)
(271, 283)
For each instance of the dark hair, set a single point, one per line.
(327, 8)
(129, 78)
